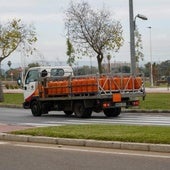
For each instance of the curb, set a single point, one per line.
(87, 143)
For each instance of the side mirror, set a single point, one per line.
(19, 81)
(44, 73)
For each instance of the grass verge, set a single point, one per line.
(125, 133)
(156, 101)
(13, 99)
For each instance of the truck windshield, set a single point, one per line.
(31, 76)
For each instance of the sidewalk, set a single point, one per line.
(147, 89)
(157, 90)
(5, 128)
(12, 90)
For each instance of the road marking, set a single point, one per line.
(91, 150)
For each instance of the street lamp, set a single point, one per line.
(132, 21)
(151, 70)
(141, 17)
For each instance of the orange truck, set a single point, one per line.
(57, 89)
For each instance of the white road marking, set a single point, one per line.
(59, 147)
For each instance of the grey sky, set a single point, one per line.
(48, 19)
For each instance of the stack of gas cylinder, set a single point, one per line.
(93, 85)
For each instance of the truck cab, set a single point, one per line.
(32, 76)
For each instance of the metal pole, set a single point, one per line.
(132, 38)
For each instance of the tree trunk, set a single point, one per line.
(1, 92)
(99, 60)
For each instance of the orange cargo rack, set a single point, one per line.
(92, 85)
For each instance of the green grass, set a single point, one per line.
(156, 101)
(125, 133)
(13, 99)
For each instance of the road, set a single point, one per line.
(22, 117)
(19, 156)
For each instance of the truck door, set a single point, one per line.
(30, 83)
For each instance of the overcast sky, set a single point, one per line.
(48, 18)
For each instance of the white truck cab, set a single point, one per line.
(30, 81)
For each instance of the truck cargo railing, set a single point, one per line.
(91, 85)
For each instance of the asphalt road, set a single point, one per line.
(22, 117)
(19, 156)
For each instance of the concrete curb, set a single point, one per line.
(87, 143)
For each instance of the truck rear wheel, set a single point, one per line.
(82, 112)
(112, 112)
(36, 109)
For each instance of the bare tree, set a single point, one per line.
(138, 46)
(93, 32)
(15, 36)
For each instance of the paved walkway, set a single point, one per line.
(5, 128)
(157, 90)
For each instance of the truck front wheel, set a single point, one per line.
(82, 112)
(112, 112)
(36, 109)
(68, 113)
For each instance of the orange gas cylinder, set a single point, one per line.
(50, 88)
(89, 85)
(117, 83)
(60, 87)
(104, 83)
(127, 83)
(138, 82)
(65, 87)
(130, 84)
(94, 85)
(112, 86)
(54, 88)
(74, 84)
(84, 83)
(79, 86)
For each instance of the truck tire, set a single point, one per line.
(36, 109)
(82, 112)
(112, 112)
(68, 113)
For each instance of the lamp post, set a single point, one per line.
(132, 22)
(151, 69)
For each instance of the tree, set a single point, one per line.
(33, 65)
(70, 52)
(15, 36)
(138, 46)
(93, 32)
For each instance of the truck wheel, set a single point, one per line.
(36, 109)
(68, 113)
(112, 112)
(82, 112)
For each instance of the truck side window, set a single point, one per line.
(57, 72)
(31, 76)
